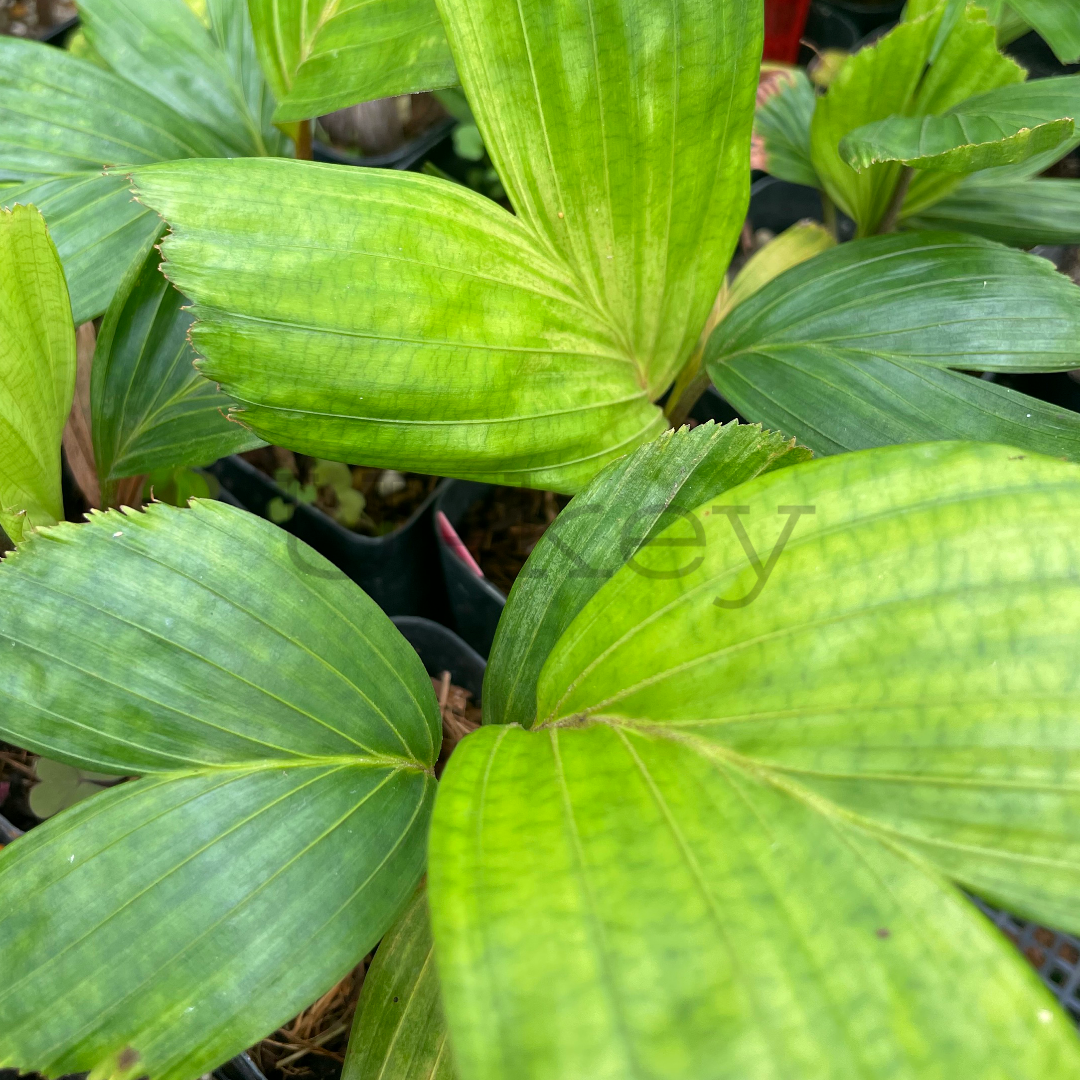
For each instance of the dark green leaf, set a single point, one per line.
(400, 1032)
(321, 55)
(96, 226)
(722, 853)
(852, 348)
(1030, 104)
(164, 48)
(149, 405)
(890, 78)
(1057, 21)
(289, 730)
(62, 115)
(599, 532)
(1022, 213)
(959, 142)
(783, 124)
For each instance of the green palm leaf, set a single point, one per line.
(37, 373)
(723, 849)
(286, 735)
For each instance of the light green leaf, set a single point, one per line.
(400, 1031)
(289, 732)
(795, 245)
(164, 48)
(150, 407)
(37, 372)
(334, 303)
(1057, 22)
(96, 226)
(959, 142)
(853, 348)
(64, 115)
(724, 853)
(890, 78)
(783, 124)
(1022, 213)
(620, 130)
(632, 500)
(321, 55)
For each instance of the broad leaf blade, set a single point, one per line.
(291, 731)
(1057, 23)
(1022, 213)
(918, 686)
(231, 27)
(64, 115)
(850, 349)
(599, 532)
(151, 409)
(216, 935)
(321, 55)
(397, 320)
(216, 638)
(96, 226)
(891, 78)
(37, 372)
(956, 143)
(400, 1031)
(783, 125)
(165, 48)
(620, 130)
(698, 904)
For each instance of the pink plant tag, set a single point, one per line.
(448, 535)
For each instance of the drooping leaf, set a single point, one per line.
(724, 851)
(165, 48)
(400, 1032)
(890, 78)
(321, 55)
(150, 407)
(630, 501)
(959, 142)
(620, 130)
(37, 372)
(96, 226)
(783, 125)
(337, 328)
(1058, 23)
(1029, 104)
(64, 118)
(289, 734)
(1022, 213)
(854, 348)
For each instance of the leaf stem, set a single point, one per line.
(303, 141)
(679, 408)
(892, 215)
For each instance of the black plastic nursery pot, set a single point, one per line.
(475, 603)
(866, 15)
(441, 650)
(827, 28)
(399, 571)
(410, 155)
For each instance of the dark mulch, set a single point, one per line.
(501, 531)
